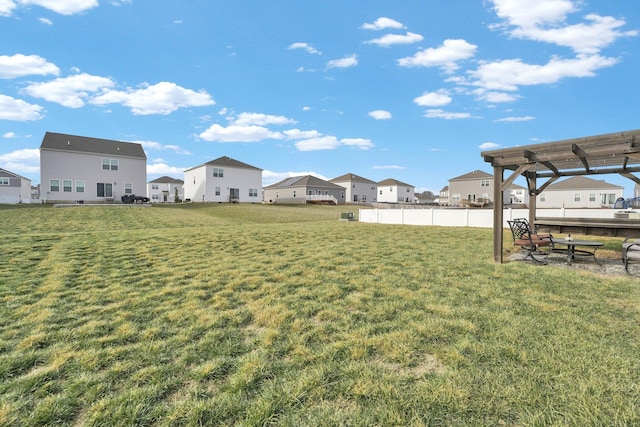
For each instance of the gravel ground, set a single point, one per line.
(605, 266)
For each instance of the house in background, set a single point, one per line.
(444, 196)
(518, 195)
(14, 188)
(76, 168)
(165, 190)
(579, 192)
(223, 180)
(470, 187)
(304, 189)
(358, 189)
(393, 191)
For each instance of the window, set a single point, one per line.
(408, 191)
(79, 186)
(310, 192)
(155, 186)
(381, 192)
(484, 183)
(218, 172)
(67, 185)
(104, 189)
(253, 192)
(4, 181)
(128, 188)
(54, 185)
(155, 197)
(592, 197)
(110, 164)
(543, 197)
(576, 197)
(217, 191)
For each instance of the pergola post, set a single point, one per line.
(498, 212)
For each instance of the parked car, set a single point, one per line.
(132, 198)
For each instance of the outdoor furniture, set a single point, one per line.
(630, 252)
(588, 248)
(528, 240)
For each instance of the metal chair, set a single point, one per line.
(630, 253)
(529, 241)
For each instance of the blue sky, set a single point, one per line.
(411, 90)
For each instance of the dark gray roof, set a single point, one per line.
(351, 177)
(477, 174)
(6, 173)
(226, 161)
(391, 181)
(304, 181)
(582, 183)
(84, 144)
(166, 180)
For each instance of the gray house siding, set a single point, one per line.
(14, 188)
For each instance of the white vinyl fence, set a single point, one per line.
(482, 218)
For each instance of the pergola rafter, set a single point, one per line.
(614, 153)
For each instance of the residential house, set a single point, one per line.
(444, 196)
(393, 191)
(14, 188)
(358, 189)
(470, 187)
(165, 190)
(518, 195)
(579, 192)
(223, 180)
(304, 189)
(74, 168)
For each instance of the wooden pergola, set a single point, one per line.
(614, 153)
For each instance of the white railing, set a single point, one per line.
(322, 198)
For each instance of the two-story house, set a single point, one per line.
(394, 191)
(223, 180)
(74, 168)
(165, 190)
(14, 188)
(358, 189)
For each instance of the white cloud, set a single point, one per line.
(18, 110)
(234, 133)
(271, 177)
(433, 99)
(161, 98)
(23, 65)
(382, 23)
(6, 7)
(46, 21)
(361, 143)
(489, 146)
(70, 91)
(320, 143)
(63, 7)
(300, 134)
(9, 135)
(391, 39)
(446, 56)
(21, 161)
(380, 114)
(509, 74)
(305, 46)
(383, 167)
(495, 97)
(160, 168)
(152, 145)
(545, 20)
(259, 119)
(441, 114)
(346, 62)
(516, 119)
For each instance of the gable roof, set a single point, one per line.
(304, 181)
(391, 181)
(582, 183)
(84, 144)
(476, 174)
(6, 173)
(226, 161)
(166, 180)
(351, 177)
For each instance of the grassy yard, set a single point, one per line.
(280, 315)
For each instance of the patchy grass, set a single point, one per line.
(254, 315)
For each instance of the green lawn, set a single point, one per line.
(284, 315)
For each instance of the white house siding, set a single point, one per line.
(579, 198)
(200, 184)
(16, 190)
(157, 192)
(395, 194)
(87, 167)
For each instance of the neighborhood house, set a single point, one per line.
(305, 189)
(165, 190)
(77, 168)
(223, 180)
(358, 189)
(14, 188)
